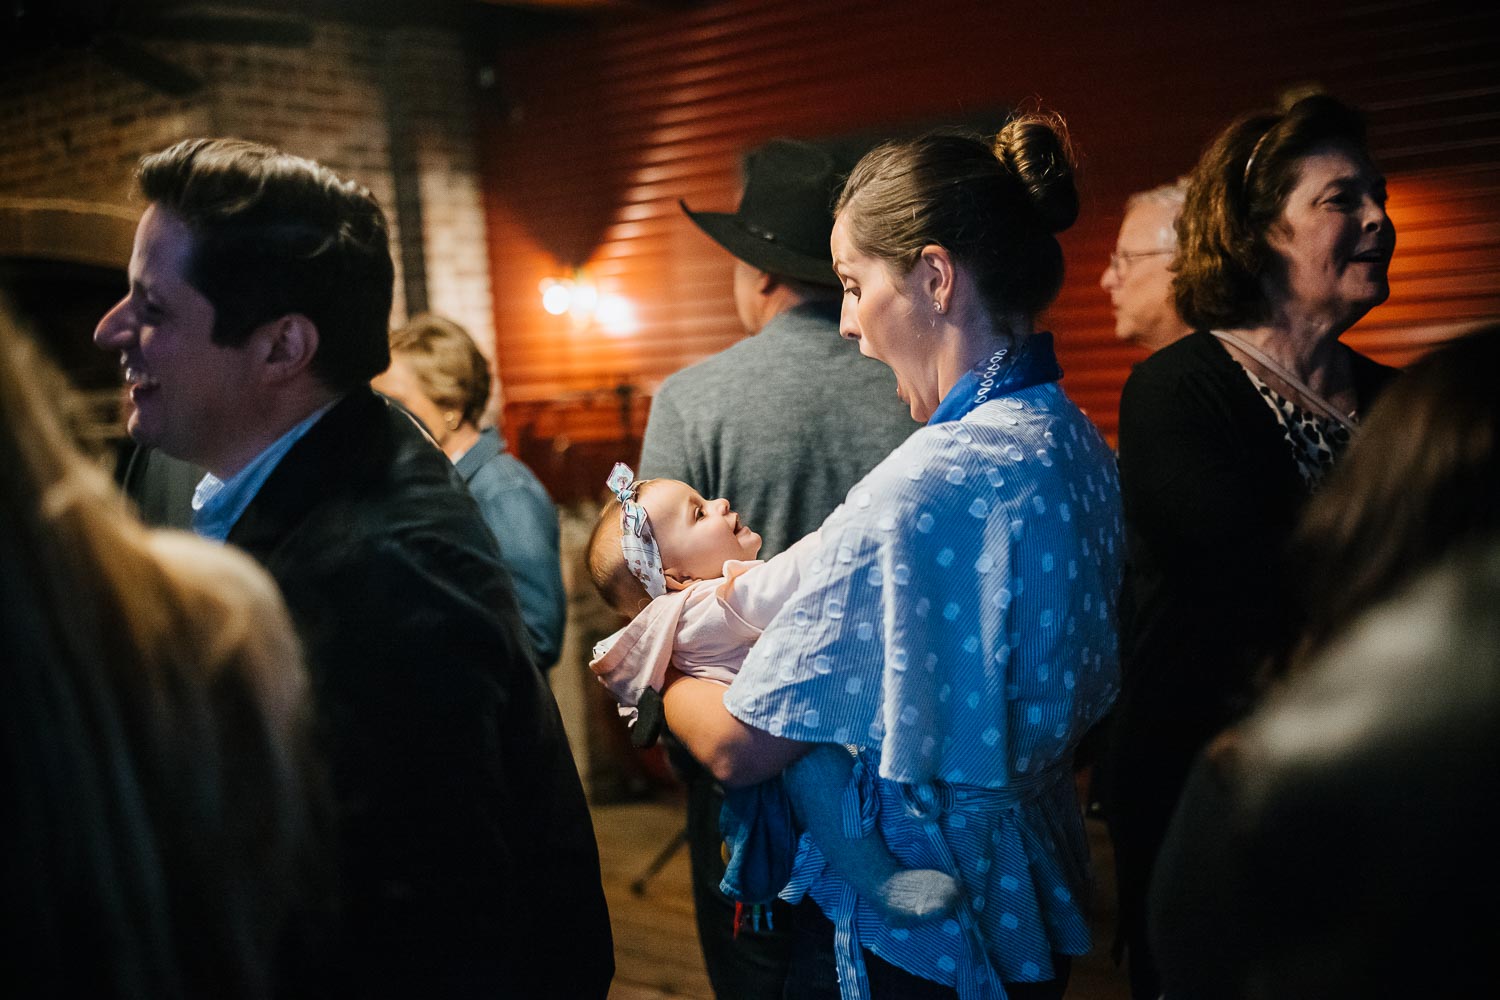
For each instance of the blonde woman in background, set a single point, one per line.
(441, 378)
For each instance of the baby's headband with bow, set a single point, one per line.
(636, 541)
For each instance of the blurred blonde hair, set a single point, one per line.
(157, 748)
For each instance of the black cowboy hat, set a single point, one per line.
(786, 213)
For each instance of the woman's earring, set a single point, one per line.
(937, 305)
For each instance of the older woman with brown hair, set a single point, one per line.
(441, 378)
(1283, 245)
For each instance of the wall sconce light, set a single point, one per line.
(616, 315)
(578, 298)
(575, 296)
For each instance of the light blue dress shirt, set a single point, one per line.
(958, 630)
(218, 503)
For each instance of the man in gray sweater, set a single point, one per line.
(783, 424)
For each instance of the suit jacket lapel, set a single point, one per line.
(332, 458)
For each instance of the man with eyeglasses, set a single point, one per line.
(1138, 276)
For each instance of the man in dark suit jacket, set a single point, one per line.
(260, 287)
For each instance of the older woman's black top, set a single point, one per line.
(1211, 493)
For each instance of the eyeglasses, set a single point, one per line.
(1120, 258)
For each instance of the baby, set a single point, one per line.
(685, 568)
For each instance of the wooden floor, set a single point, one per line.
(656, 943)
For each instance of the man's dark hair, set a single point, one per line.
(275, 234)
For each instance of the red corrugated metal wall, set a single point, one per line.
(594, 134)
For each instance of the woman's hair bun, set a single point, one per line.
(1035, 149)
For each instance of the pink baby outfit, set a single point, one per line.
(705, 630)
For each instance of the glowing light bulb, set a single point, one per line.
(583, 299)
(616, 315)
(556, 297)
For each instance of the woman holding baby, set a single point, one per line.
(955, 627)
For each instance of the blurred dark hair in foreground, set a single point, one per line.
(1421, 482)
(1334, 845)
